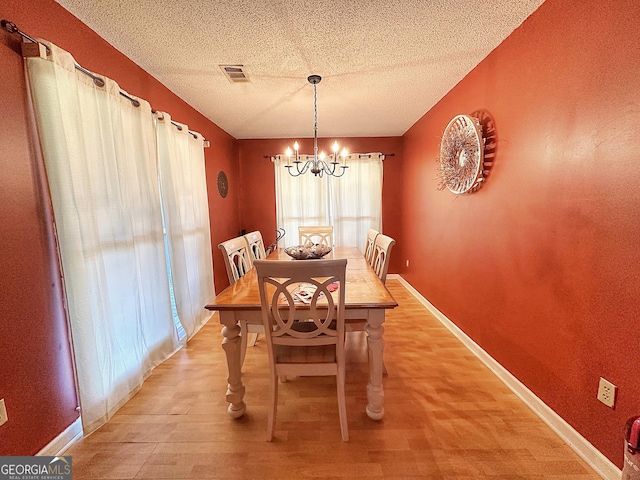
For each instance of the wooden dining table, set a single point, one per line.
(367, 299)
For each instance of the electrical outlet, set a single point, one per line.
(3, 412)
(607, 392)
(407, 263)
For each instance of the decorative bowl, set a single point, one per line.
(307, 252)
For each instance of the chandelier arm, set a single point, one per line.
(344, 169)
(299, 171)
(288, 167)
(304, 169)
(330, 170)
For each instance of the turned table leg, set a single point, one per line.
(231, 346)
(375, 342)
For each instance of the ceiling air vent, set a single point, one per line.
(235, 73)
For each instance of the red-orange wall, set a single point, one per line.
(36, 376)
(257, 202)
(540, 266)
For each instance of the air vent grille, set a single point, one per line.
(235, 73)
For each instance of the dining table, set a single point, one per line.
(366, 300)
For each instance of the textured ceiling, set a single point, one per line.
(384, 63)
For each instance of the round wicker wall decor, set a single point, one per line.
(462, 155)
(223, 184)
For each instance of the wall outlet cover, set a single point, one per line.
(607, 392)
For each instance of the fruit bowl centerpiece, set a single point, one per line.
(307, 252)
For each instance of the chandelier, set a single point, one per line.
(321, 164)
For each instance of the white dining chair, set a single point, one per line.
(368, 246)
(257, 252)
(304, 338)
(238, 261)
(237, 258)
(256, 245)
(380, 257)
(321, 234)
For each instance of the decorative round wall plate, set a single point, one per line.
(223, 184)
(462, 155)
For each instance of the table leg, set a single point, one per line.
(375, 342)
(231, 346)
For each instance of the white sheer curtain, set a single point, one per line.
(351, 203)
(302, 200)
(186, 215)
(100, 158)
(356, 200)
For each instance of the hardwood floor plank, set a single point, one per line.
(447, 417)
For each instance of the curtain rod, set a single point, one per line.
(99, 82)
(175, 124)
(12, 28)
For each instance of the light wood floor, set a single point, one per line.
(446, 417)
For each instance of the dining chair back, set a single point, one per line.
(256, 245)
(238, 261)
(303, 313)
(237, 258)
(381, 255)
(322, 234)
(368, 246)
(257, 251)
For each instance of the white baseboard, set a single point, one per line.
(596, 460)
(62, 442)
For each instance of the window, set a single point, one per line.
(351, 203)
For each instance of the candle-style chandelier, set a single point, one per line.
(317, 164)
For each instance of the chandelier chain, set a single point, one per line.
(315, 107)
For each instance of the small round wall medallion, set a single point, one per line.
(462, 155)
(223, 184)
